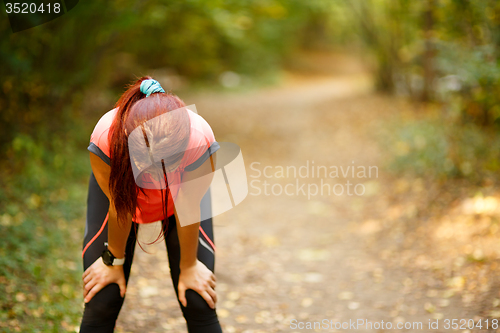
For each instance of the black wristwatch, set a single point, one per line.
(109, 259)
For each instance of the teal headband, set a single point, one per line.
(151, 86)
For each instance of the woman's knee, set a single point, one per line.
(197, 308)
(105, 305)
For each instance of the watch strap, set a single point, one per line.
(118, 262)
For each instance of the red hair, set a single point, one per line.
(134, 109)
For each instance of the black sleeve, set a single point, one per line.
(196, 164)
(96, 150)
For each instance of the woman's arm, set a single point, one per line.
(194, 186)
(117, 235)
(98, 275)
(194, 275)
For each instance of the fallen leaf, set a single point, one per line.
(241, 319)
(313, 277)
(228, 304)
(313, 255)
(306, 302)
(223, 313)
(20, 297)
(233, 295)
(429, 307)
(444, 303)
(345, 296)
(437, 316)
(353, 305)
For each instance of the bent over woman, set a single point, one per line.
(142, 153)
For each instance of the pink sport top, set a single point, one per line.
(201, 145)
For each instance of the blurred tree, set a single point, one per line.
(428, 58)
(47, 71)
(434, 50)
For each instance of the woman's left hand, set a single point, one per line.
(200, 279)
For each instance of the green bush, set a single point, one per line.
(439, 149)
(41, 227)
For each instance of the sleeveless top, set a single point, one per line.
(201, 145)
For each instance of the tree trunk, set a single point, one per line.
(428, 59)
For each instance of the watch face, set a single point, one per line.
(107, 257)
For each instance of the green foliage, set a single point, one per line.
(444, 51)
(47, 68)
(419, 45)
(477, 74)
(42, 205)
(437, 149)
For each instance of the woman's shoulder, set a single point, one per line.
(99, 138)
(103, 125)
(201, 144)
(200, 128)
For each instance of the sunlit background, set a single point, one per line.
(409, 87)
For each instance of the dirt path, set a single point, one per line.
(289, 257)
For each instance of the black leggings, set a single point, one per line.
(101, 312)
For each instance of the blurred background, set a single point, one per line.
(411, 87)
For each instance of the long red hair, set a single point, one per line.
(134, 109)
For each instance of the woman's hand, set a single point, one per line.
(99, 275)
(199, 278)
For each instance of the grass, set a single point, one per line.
(42, 221)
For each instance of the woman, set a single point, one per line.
(144, 156)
